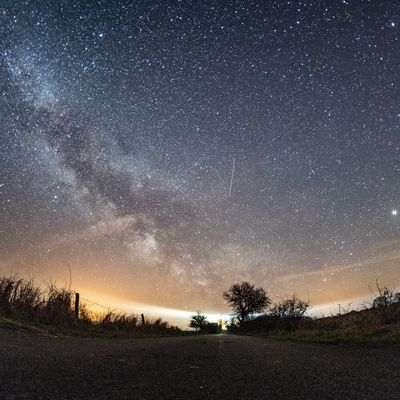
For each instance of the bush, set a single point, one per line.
(292, 307)
(387, 305)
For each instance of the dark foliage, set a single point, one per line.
(246, 300)
(292, 307)
(198, 321)
(386, 304)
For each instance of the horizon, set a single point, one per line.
(99, 304)
(162, 151)
(182, 317)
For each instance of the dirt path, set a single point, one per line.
(202, 367)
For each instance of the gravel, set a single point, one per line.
(196, 367)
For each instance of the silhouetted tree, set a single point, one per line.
(292, 307)
(198, 321)
(246, 300)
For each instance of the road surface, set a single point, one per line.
(202, 367)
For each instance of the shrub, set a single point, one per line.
(292, 307)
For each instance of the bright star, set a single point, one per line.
(395, 212)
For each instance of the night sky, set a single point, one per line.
(164, 150)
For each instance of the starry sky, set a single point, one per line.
(163, 150)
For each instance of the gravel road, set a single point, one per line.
(201, 367)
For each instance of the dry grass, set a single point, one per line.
(23, 304)
(378, 324)
(21, 299)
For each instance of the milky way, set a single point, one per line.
(166, 149)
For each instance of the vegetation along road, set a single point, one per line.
(194, 367)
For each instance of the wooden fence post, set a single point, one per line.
(76, 306)
(143, 320)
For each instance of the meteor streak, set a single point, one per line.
(233, 172)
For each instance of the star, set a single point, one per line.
(124, 125)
